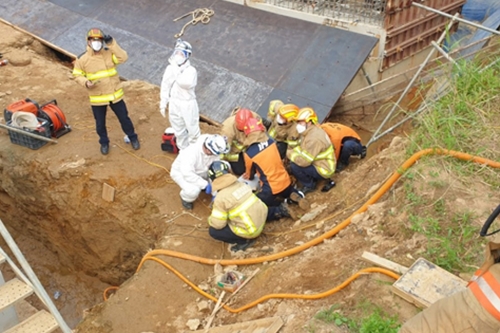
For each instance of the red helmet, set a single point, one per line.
(253, 125)
(242, 117)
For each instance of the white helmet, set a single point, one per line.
(217, 144)
(184, 46)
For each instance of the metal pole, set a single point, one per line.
(36, 136)
(457, 19)
(410, 84)
(33, 278)
(443, 52)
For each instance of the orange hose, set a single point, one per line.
(383, 189)
(105, 293)
(287, 296)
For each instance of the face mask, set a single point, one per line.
(96, 45)
(280, 120)
(178, 57)
(301, 128)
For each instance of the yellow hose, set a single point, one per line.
(383, 189)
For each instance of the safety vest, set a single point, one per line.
(337, 134)
(249, 230)
(486, 289)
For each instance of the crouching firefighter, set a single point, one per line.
(474, 310)
(238, 216)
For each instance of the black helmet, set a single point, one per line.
(217, 169)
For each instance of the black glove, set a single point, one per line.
(108, 39)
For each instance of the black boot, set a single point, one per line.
(105, 148)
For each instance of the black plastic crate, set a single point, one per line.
(28, 141)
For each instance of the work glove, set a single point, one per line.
(163, 112)
(108, 39)
(208, 189)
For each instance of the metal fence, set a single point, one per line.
(356, 11)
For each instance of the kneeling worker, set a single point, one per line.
(238, 216)
(313, 159)
(190, 168)
(346, 142)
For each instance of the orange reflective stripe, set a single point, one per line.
(486, 289)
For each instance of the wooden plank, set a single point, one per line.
(108, 192)
(425, 283)
(384, 263)
(263, 325)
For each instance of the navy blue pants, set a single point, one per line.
(349, 147)
(270, 199)
(226, 235)
(307, 176)
(120, 109)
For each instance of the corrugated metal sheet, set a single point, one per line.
(411, 29)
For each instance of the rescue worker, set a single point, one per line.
(96, 71)
(177, 94)
(190, 168)
(473, 310)
(238, 216)
(262, 157)
(346, 143)
(232, 128)
(313, 159)
(283, 128)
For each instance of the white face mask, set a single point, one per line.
(301, 128)
(178, 57)
(280, 120)
(96, 45)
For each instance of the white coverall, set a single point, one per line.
(190, 169)
(177, 90)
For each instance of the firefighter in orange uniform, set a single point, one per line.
(346, 142)
(282, 128)
(474, 310)
(262, 158)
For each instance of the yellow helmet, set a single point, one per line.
(95, 33)
(307, 114)
(289, 112)
(274, 106)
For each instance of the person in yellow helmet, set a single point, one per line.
(96, 71)
(314, 158)
(283, 129)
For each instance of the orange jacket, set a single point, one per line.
(264, 158)
(337, 134)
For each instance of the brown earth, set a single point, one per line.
(79, 244)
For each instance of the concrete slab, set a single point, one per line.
(244, 56)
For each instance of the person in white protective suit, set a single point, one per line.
(177, 94)
(190, 168)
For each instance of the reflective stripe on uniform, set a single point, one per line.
(102, 74)
(297, 151)
(239, 146)
(327, 155)
(219, 215)
(106, 98)
(292, 143)
(78, 72)
(241, 212)
(272, 132)
(231, 157)
(115, 59)
(486, 289)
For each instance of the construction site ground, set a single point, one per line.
(79, 244)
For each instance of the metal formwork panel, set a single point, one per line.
(411, 29)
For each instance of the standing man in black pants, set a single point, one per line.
(96, 70)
